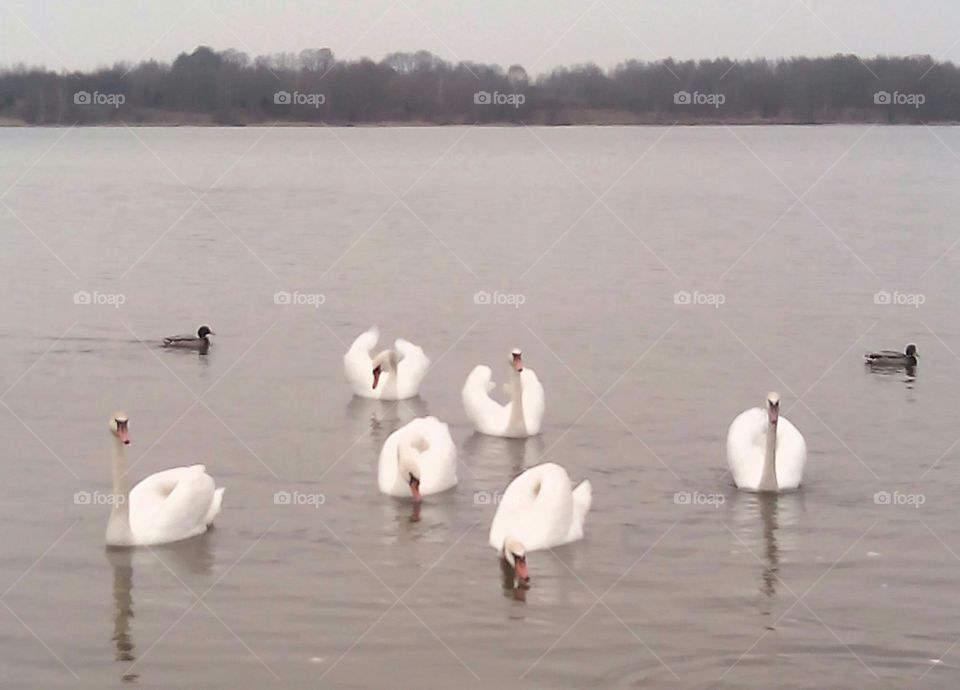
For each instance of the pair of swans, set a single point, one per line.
(165, 507)
(540, 508)
(396, 374)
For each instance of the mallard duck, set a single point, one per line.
(892, 358)
(189, 342)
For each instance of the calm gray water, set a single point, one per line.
(595, 231)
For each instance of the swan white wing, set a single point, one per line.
(746, 446)
(534, 402)
(791, 455)
(487, 415)
(536, 509)
(358, 366)
(411, 368)
(438, 463)
(172, 505)
(388, 472)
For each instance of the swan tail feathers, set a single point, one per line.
(582, 498)
(215, 506)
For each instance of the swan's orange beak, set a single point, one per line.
(517, 362)
(415, 489)
(124, 434)
(520, 567)
(773, 412)
(376, 376)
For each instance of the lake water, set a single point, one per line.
(587, 242)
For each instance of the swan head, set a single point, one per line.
(409, 468)
(773, 407)
(516, 359)
(515, 555)
(120, 427)
(385, 360)
(204, 331)
(911, 351)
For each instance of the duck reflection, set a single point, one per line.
(383, 417)
(907, 373)
(187, 560)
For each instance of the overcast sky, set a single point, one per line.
(539, 34)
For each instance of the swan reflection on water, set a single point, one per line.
(383, 417)
(511, 588)
(186, 559)
(482, 452)
(761, 519)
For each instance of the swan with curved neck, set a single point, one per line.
(165, 507)
(392, 374)
(765, 452)
(521, 417)
(539, 509)
(418, 459)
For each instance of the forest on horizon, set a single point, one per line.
(313, 87)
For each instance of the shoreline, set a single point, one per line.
(298, 124)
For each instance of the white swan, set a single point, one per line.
(391, 375)
(168, 506)
(539, 510)
(419, 458)
(519, 418)
(765, 451)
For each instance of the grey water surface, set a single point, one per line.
(659, 281)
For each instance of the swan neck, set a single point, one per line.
(768, 478)
(121, 488)
(516, 398)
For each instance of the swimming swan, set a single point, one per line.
(419, 458)
(540, 509)
(167, 506)
(393, 374)
(765, 451)
(519, 418)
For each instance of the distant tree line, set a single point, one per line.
(230, 88)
